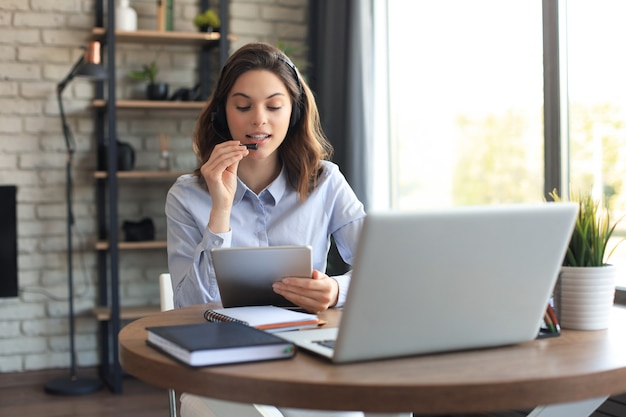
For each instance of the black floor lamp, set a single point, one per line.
(88, 66)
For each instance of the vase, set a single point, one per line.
(125, 17)
(584, 297)
(125, 156)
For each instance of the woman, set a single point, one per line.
(284, 192)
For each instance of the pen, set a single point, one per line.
(548, 321)
(553, 318)
(250, 145)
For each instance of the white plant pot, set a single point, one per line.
(584, 297)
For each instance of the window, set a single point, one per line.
(466, 102)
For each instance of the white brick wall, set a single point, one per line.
(39, 42)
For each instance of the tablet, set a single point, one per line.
(245, 274)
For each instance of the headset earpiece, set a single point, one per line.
(297, 106)
(220, 125)
(295, 114)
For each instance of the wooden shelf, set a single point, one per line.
(210, 49)
(160, 37)
(126, 313)
(148, 175)
(152, 104)
(152, 244)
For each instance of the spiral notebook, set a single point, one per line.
(269, 318)
(436, 281)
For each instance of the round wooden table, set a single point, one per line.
(576, 366)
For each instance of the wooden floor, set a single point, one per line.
(22, 395)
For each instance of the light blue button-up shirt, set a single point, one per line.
(274, 217)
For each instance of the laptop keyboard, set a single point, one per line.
(329, 343)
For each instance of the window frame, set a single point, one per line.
(556, 105)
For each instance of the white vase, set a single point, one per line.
(584, 297)
(125, 17)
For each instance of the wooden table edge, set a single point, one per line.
(157, 369)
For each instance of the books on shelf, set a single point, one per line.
(160, 17)
(269, 318)
(165, 15)
(204, 344)
(169, 15)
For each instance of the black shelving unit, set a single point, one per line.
(105, 116)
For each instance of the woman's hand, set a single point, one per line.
(313, 294)
(220, 174)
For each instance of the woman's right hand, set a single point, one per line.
(220, 175)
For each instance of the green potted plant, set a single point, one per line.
(154, 90)
(207, 21)
(592, 232)
(586, 288)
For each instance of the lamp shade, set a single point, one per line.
(91, 71)
(90, 67)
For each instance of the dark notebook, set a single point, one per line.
(203, 344)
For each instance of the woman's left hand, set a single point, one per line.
(313, 294)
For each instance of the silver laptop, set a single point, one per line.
(454, 279)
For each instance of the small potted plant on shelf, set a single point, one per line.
(154, 90)
(586, 287)
(207, 21)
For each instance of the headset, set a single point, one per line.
(218, 117)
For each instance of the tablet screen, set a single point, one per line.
(245, 274)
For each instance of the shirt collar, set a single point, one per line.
(276, 189)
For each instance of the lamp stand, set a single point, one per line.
(72, 385)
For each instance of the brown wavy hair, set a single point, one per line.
(305, 144)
